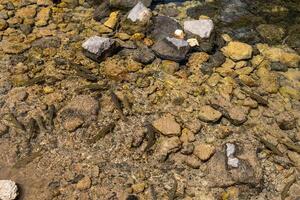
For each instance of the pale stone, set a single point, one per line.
(204, 151)
(202, 27)
(8, 190)
(139, 13)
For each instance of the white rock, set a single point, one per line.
(233, 162)
(8, 190)
(95, 44)
(179, 34)
(193, 42)
(201, 27)
(139, 13)
(230, 149)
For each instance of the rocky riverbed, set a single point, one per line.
(129, 100)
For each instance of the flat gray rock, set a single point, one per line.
(171, 49)
(201, 28)
(98, 48)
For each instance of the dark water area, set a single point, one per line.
(269, 21)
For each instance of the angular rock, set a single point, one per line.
(163, 27)
(167, 126)
(98, 48)
(201, 28)
(138, 19)
(112, 21)
(168, 146)
(8, 190)
(216, 60)
(171, 49)
(208, 114)
(235, 114)
(237, 51)
(232, 161)
(127, 4)
(204, 151)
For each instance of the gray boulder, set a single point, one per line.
(98, 48)
(171, 49)
(163, 27)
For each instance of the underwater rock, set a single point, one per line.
(127, 4)
(201, 28)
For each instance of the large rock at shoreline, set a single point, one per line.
(98, 48)
(163, 27)
(171, 49)
(201, 28)
(127, 4)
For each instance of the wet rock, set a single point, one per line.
(143, 54)
(127, 4)
(84, 183)
(235, 114)
(13, 48)
(216, 60)
(208, 114)
(248, 170)
(138, 188)
(26, 12)
(201, 28)
(271, 33)
(163, 27)
(196, 59)
(111, 22)
(8, 190)
(276, 54)
(237, 51)
(268, 80)
(98, 48)
(43, 17)
(47, 42)
(277, 66)
(80, 109)
(102, 11)
(187, 149)
(204, 151)
(286, 121)
(169, 66)
(171, 49)
(167, 125)
(168, 146)
(206, 9)
(71, 3)
(193, 162)
(25, 28)
(138, 19)
(170, 12)
(3, 24)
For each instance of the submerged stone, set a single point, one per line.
(98, 48)
(201, 28)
